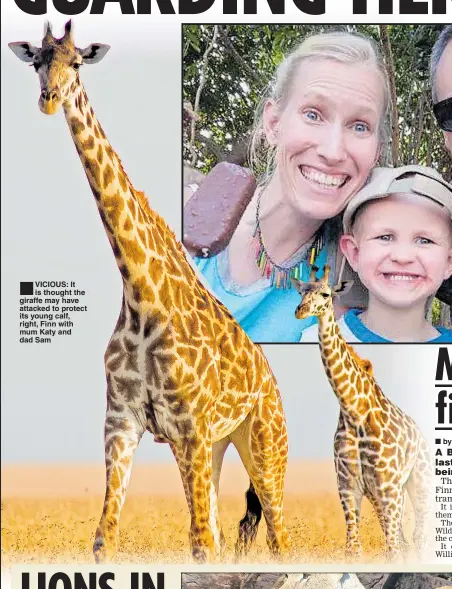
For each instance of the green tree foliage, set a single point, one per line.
(227, 68)
(242, 61)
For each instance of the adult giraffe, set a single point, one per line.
(178, 364)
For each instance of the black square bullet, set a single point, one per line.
(438, 441)
(26, 288)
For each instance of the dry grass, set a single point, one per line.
(38, 528)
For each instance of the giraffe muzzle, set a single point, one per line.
(302, 312)
(49, 101)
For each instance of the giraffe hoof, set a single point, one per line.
(100, 552)
(353, 552)
(200, 555)
(286, 543)
(220, 548)
(394, 556)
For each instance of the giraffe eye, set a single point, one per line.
(76, 65)
(325, 295)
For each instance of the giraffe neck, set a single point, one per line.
(352, 384)
(138, 235)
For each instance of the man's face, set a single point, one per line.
(444, 85)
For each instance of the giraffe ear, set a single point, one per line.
(298, 285)
(366, 365)
(23, 50)
(94, 52)
(341, 288)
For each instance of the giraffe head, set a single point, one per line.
(57, 62)
(317, 295)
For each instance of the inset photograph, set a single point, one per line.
(317, 581)
(309, 146)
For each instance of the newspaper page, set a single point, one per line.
(226, 262)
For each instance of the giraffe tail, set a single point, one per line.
(249, 524)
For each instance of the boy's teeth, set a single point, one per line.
(323, 179)
(401, 277)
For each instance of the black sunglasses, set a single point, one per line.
(443, 114)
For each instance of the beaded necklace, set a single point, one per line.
(280, 276)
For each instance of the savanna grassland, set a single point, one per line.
(50, 514)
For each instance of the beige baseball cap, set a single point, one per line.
(404, 179)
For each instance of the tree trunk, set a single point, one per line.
(444, 316)
(387, 52)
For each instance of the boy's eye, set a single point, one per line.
(385, 237)
(424, 240)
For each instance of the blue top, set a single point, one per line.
(265, 312)
(364, 334)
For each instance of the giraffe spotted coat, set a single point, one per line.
(177, 365)
(379, 451)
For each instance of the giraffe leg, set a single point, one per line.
(390, 500)
(351, 496)
(218, 451)
(381, 519)
(419, 487)
(261, 442)
(122, 434)
(194, 459)
(402, 540)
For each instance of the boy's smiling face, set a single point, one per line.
(401, 248)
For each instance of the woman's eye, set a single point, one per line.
(312, 115)
(361, 127)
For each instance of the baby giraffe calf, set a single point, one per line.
(379, 451)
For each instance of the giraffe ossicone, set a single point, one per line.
(379, 451)
(178, 364)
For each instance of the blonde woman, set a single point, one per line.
(319, 132)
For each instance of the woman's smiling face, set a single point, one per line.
(327, 134)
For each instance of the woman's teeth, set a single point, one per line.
(325, 180)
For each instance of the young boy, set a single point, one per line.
(398, 240)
